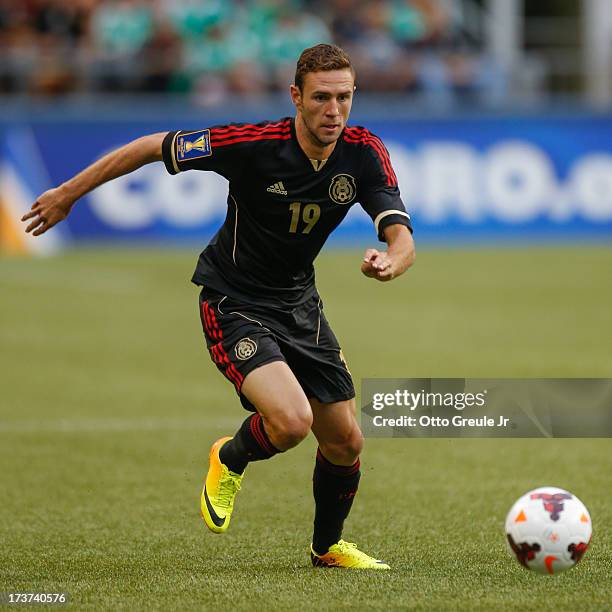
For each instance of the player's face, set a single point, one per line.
(325, 104)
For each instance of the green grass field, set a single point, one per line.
(109, 404)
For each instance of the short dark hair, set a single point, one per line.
(319, 58)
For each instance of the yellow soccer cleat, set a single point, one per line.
(347, 555)
(220, 488)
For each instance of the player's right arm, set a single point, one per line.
(54, 205)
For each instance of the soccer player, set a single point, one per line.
(291, 182)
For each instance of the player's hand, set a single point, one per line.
(49, 209)
(377, 264)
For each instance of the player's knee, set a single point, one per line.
(355, 445)
(344, 450)
(289, 429)
(352, 447)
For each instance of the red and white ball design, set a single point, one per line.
(548, 530)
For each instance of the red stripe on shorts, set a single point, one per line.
(223, 359)
(205, 321)
(231, 366)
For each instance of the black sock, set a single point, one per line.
(251, 443)
(334, 487)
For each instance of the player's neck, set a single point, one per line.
(312, 148)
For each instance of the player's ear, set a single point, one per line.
(296, 95)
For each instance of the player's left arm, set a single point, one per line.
(399, 256)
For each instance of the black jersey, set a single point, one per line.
(282, 206)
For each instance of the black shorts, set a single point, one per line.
(241, 337)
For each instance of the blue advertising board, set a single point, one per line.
(462, 179)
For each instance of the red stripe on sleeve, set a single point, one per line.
(385, 154)
(367, 139)
(235, 129)
(279, 136)
(250, 132)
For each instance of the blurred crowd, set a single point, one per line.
(212, 48)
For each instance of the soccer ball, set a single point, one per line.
(548, 530)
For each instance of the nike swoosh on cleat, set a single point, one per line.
(216, 519)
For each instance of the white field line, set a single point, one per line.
(118, 424)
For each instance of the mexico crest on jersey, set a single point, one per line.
(245, 349)
(342, 189)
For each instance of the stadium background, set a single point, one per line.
(497, 117)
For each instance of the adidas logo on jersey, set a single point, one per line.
(277, 188)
